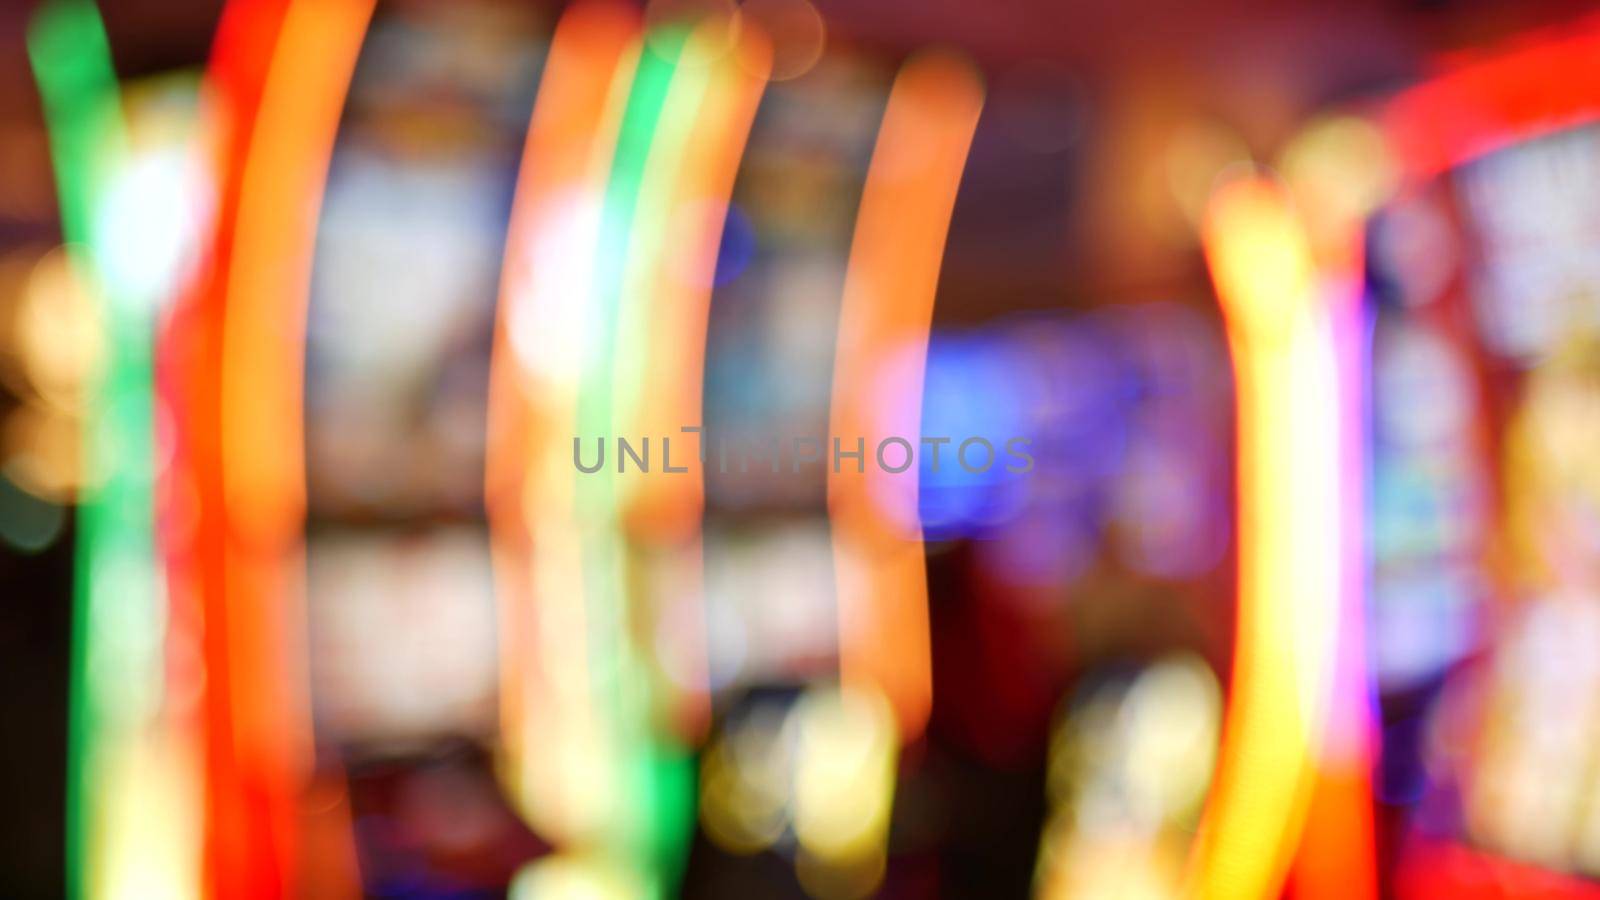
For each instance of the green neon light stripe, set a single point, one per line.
(657, 777)
(115, 675)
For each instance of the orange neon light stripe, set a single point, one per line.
(886, 313)
(572, 135)
(188, 368)
(263, 490)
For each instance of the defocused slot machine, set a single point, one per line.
(401, 621)
(1484, 501)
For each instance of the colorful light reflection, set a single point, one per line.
(1287, 389)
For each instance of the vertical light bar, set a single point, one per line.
(622, 770)
(266, 747)
(1286, 378)
(550, 727)
(1339, 171)
(651, 778)
(603, 172)
(128, 819)
(884, 320)
(656, 367)
(1337, 858)
(663, 316)
(189, 370)
(72, 65)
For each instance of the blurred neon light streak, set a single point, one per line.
(884, 320)
(188, 371)
(266, 737)
(615, 673)
(1337, 859)
(1477, 106)
(641, 787)
(131, 791)
(663, 316)
(669, 123)
(1339, 169)
(1287, 384)
(549, 725)
(607, 175)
